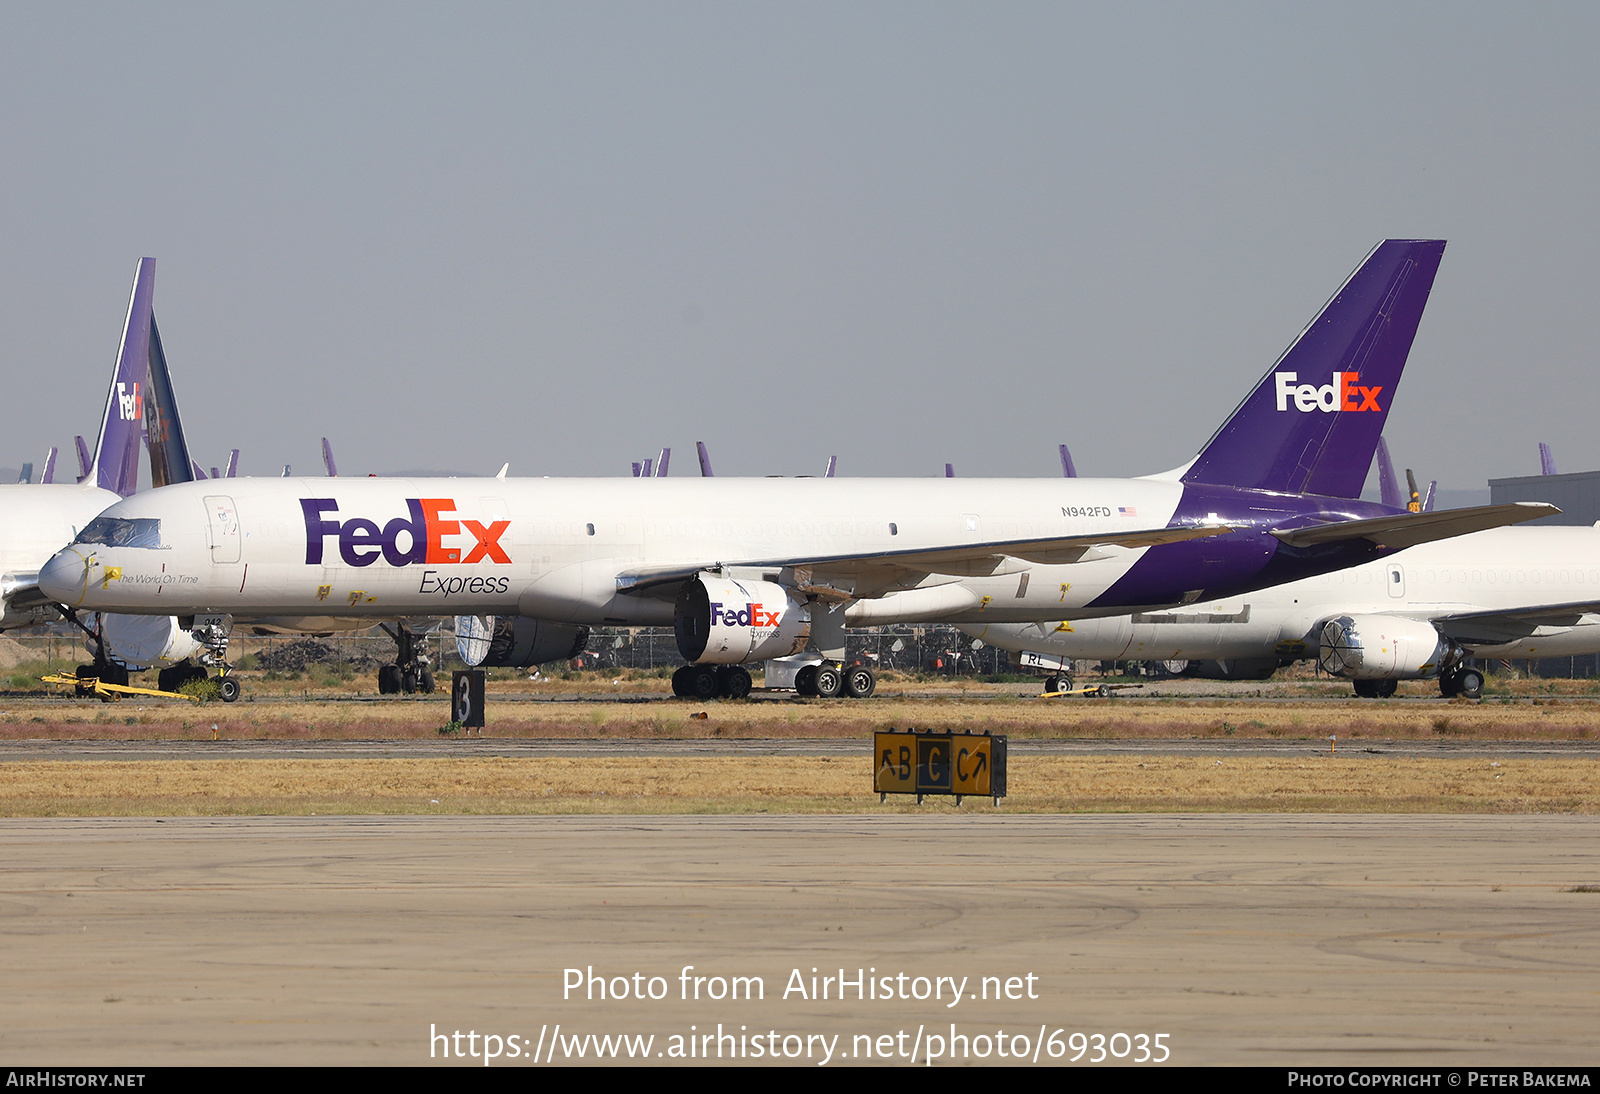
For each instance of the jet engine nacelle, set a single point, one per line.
(1380, 647)
(721, 621)
(140, 641)
(516, 641)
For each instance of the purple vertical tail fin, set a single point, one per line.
(1388, 485)
(170, 461)
(84, 460)
(1313, 422)
(661, 464)
(1068, 469)
(1427, 501)
(49, 465)
(116, 457)
(233, 464)
(327, 460)
(1547, 460)
(705, 459)
(833, 462)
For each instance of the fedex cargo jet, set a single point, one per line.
(37, 520)
(1506, 592)
(747, 570)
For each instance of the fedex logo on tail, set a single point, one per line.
(1343, 394)
(130, 404)
(417, 538)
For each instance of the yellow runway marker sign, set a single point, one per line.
(963, 764)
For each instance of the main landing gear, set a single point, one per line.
(825, 681)
(411, 671)
(1375, 689)
(1461, 681)
(829, 681)
(711, 682)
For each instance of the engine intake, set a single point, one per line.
(725, 622)
(516, 641)
(1380, 647)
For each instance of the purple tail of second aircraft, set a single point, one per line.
(115, 465)
(1312, 424)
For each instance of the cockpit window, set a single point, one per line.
(123, 532)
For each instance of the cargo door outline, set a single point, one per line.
(222, 526)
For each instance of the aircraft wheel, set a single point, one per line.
(703, 684)
(408, 681)
(805, 681)
(860, 682)
(389, 680)
(1448, 687)
(1469, 684)
(1102, 692)
(830, 681)
(84, 672)
(680, 682)
(1387, 688)
(1366, 689)
(733, 682)
(426, 682)
(228, 686)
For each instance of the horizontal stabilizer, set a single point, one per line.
(1409, 529)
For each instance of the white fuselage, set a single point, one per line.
(555, 548)
(1499, 570)
(36, 521)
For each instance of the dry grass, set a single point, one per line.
(1317, 783)
(1023, 718)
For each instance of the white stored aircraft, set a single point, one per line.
(1508, 592)
(748, 570)
(37, 520)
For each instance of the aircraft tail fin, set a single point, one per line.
(115, 465)
(1388, 485)
(1312, 423)
(170, 461)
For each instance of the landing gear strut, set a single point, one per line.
(411, 671)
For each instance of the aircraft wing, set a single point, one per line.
(965, 560)
(1409, 529)
(1510, 624)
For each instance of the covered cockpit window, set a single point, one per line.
(123, 532)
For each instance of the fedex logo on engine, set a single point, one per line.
(752, 615)
(419, 538)
(1343, 394)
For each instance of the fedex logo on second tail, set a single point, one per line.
(417, 538)
(1343, 394)
(130, 404)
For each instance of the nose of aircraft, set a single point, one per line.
(65, 578)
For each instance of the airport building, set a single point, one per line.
(1577, 495)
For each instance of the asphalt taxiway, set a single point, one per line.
(1263, 939)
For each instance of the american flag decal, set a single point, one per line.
(1127, 511)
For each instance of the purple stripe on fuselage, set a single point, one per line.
(1243, 560)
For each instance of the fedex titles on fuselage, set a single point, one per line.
(1343, 394)
(362, 542)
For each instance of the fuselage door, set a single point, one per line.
(1395, 578)
(224, 527)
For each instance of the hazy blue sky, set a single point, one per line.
(565, 235)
